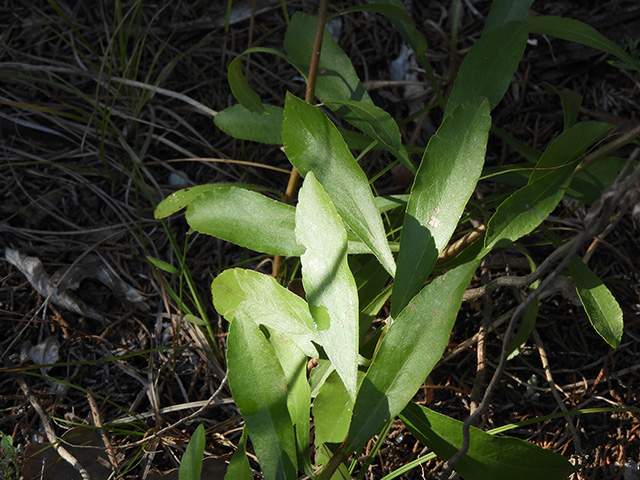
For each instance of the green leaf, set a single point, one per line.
(587, 186)
(568, 146)
(313, 143)
(241, 89)
(259, 389)
(571, 102)
(412, 346)
(246, 295)
(379, 125)
(447, 177)
(489, 66)
(337, 79)
(602, 308)
(191, 464)
(407, 29)
(576, 31)
(332, 409)
(504, 11)
(244, 124)
(245, 218)
(239, 468)
(294, 364)
(162, 265)
(181, 199)
(489, 457)
(328, 282)
(525, 209)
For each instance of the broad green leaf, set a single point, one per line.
(259, 388)
(504, 11)
(294, 364)
(332, 410)
(245, 218)
(191, 464)
(489, 66)
(379, 125)
(246, 295)
(324, 454)
(602, 308)
(447, 177)
(239, 468)
(489, 457)
(412, 346)
(241, 89)
(244, 124)
(568, 146)
(571, 103)
(587, 186)
(313, 143)
(328, 282)
(576, 31)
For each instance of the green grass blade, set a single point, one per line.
(603, 310)
(191, 464)
(247, 295)
(489, 66)
(313, 143)
(259, 389)
(447, 177)
(328, 282)
(489, 457)
(412, 346)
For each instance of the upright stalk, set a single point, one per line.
(309, 96)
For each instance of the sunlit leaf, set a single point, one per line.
(328, 282)
(252, 296)
(447, 177)
(412, 346)
(313, 143)
(259, 389)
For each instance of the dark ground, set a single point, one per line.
(86, 156)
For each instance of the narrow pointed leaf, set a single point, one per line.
(412, 346)
(239, 468)
(447, 177)
(489, 457)
(181, 199)
(576, 31)
(568, 146)
(529, 206)
(379, 125)
(241, 89)
(571, 102)
(245, 295)
(191, 464)
(489, 66)
(294, 364)
(259, 389)
(328, 282)
(603, 310)
(245, 218)
(313, 143)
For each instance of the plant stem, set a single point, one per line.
(309, 96)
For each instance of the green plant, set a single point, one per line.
(8, 458)
(366, 377)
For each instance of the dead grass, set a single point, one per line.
(105, 110)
